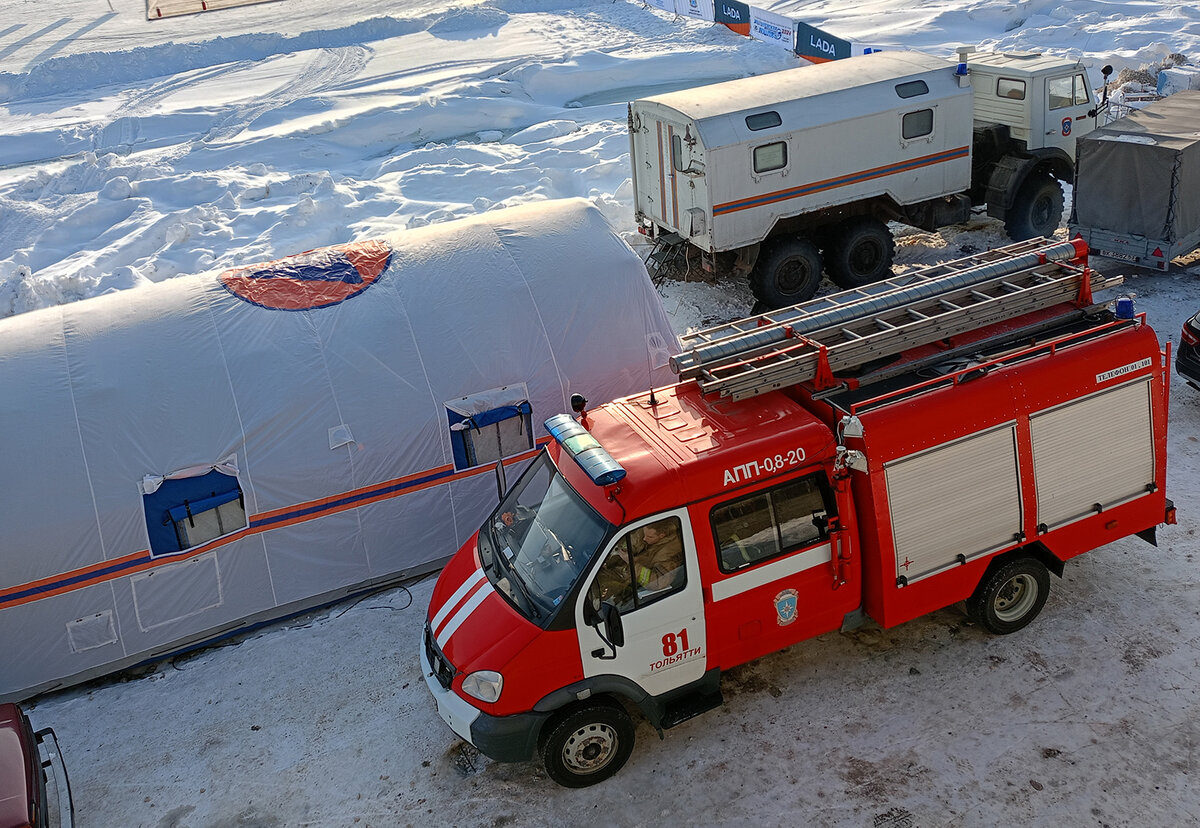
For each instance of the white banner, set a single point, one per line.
(699, 9)
(665, 5)
(770, 27)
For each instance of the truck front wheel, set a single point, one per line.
(588, 745)
(1037, 210)
(861, 252)
(1011, 596)
(787, 272)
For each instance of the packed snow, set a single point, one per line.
(133, 151)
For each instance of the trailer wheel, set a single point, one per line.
(1011, 596)
(787, 272)
(588, 745)
(860, 253)
(1037, 210)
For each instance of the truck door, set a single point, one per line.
(663, 191)
(1068, 100)
(787, 571)
(649, 574)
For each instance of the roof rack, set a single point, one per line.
(843, 331)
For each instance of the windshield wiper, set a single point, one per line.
(514, 578)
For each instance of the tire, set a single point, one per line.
(1037, 210)
(1010, 597)
(860, 253)
(588, 745)
(788, 272)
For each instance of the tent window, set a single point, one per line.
(186, 512)
(489, 426)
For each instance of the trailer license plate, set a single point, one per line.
(1112, 254)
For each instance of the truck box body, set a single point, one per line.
(1024, 452)
(1137, 186)
(814, 131)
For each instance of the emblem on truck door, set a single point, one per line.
(785, 606)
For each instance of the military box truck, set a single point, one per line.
(796, 173)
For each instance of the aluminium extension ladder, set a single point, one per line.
(842, 331)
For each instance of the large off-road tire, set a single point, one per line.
(860, 252)
(588, 745)
(1037, 210)
(787, 272)
(1011, 596)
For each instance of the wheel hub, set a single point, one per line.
(590, 748)
(791, 277)
(1015, 598)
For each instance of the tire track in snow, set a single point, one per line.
(329, 68)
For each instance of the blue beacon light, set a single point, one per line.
(585, 449)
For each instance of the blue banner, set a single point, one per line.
(818, 46)
(732, 13)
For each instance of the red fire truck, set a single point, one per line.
(955, 434)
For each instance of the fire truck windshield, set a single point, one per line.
(539, 541)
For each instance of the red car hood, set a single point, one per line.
(473, 625)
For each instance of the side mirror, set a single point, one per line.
(607, 621)
(614, 630)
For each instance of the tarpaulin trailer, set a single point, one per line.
(1137, 184)
(185, 459)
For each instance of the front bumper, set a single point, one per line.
(502, 738)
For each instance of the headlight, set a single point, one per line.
(484, 685)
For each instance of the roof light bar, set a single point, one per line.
(586, 450)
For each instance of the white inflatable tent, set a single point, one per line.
(189, 458)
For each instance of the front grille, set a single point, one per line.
(442, 668)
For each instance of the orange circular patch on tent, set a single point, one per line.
(314, 279)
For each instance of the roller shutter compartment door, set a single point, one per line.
(1096, 450)
(960, 499)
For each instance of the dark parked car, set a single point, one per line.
(1187, 358)
(23, 780)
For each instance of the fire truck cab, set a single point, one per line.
(813, 466)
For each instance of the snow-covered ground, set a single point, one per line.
(135, 150)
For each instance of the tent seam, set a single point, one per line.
(562, 387)
(237, 411)
(337, 407)
(62, 316)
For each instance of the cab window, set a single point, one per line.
(1069, 91)
(644, 566)
(771, 523)
(1010, 88)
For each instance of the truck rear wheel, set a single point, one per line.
(1037, 210)
(787, 272)
(588, 745)
(861, 252)
(1011, 596)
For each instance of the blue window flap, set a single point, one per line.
(504, 412)
(180, 512)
